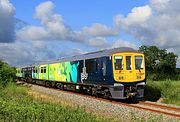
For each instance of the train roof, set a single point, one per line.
(101, 53)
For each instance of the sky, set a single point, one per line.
(34, 31)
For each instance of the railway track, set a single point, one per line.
(161, 106)
(147, 106)
(163, 109)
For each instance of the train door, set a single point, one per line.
(44, 71)
(128, 70)
(92, 70)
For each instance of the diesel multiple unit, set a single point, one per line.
(117, 73)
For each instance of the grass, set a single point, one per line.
(168, 90)
(16, 106)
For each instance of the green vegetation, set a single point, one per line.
(17, 106)
(7, 74)
(163, 77)
(169, 91)
(160, 64)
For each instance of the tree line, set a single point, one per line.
(160, 64)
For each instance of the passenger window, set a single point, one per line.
(35, 70)
(118, 62)
(41, 69)
(138, 62)
(91, 66)
(128, 63)
(44, 69)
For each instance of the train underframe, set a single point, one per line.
(116, 91)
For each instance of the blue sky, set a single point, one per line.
(60, 28)
(79, 13)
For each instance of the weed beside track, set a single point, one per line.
(15, 105)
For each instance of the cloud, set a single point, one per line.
(19, 54)
(98, 29)
(103, 43)
(7, 12)
(71, 52)
(122, 43)
(53, 26)
(154, 24)
(32, 33)
(98, 42)
(138, 15)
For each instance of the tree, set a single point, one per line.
(160, 64)
(7, 73)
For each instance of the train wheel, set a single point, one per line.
(53, 84)
(107, 94)
(47, 84)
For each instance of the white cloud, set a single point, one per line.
(98, 29)
(98, 42)
(157, 23)
(26, 53)
(102, 43)
(138, 15)
(122, 43)
(32, 33)
(7, 12)
(53, 26)
(159, 5)
(160, 26)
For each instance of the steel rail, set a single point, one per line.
(160, 106)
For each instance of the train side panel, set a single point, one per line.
(65, 71)
(99, 71)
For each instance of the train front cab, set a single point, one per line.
(129, 75)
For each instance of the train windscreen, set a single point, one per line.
(118, 62)
(138, 62)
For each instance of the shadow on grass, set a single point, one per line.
(152, 93)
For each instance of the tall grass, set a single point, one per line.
(7, 74)
(168, 90)
(16, 106)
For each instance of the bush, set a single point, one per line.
(152, 92)
(168, 90)
(7, 74)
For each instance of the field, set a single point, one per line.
(163, 91)
(17, 106)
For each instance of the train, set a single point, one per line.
(117, 73)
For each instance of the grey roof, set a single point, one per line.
(101, 53)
